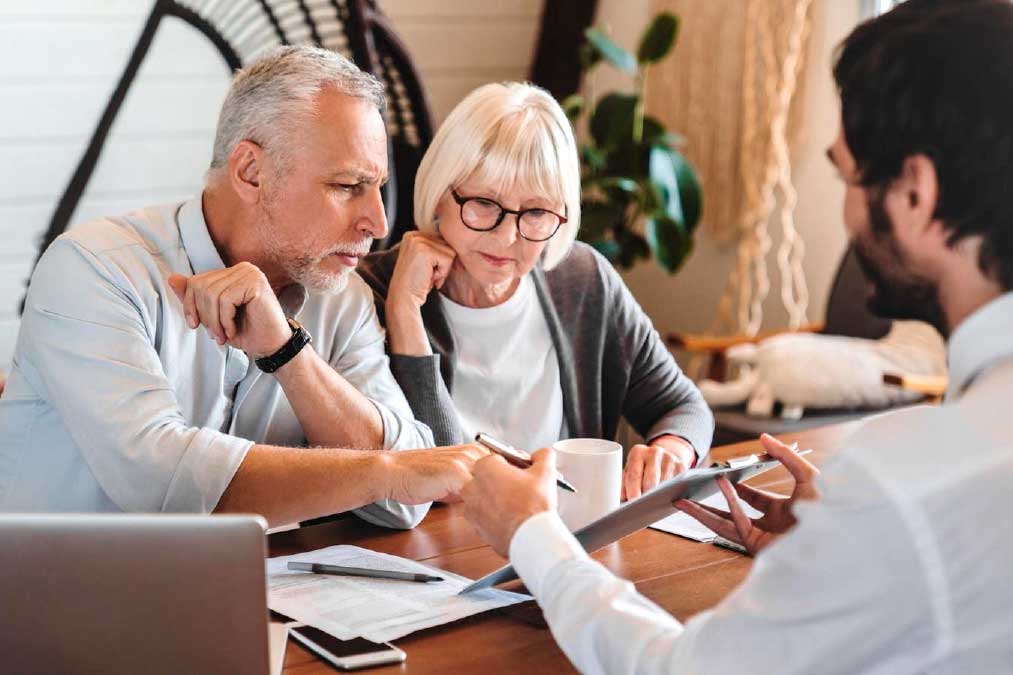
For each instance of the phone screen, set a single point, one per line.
(340, 648)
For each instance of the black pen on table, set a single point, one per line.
(322, 568)
(515, 457)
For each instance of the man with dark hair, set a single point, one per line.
(900, 559)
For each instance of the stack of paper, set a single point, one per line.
(376, 609)
(683, 525)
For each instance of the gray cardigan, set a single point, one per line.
(612, 362)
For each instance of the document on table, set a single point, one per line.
(277, 639)
(683, 525)
(376, 609)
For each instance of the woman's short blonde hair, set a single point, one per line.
(509, 134)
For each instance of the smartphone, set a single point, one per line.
(346, 654)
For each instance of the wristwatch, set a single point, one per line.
(300, 338)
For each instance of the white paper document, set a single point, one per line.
(376, 609)
(681, 524)
(277, 639)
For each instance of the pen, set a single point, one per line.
(321, 568)
(730, 545)
(516, 457)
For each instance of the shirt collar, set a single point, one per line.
(193, 230)
(204, 257)
(979, 342)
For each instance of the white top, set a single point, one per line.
(114, 404)
(506, 375)
(905, 565)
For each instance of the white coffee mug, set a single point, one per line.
(595, 468)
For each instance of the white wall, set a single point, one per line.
(62, 58)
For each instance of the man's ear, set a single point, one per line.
(918, 190)
(246, 162)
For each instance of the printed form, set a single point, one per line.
(376, 609)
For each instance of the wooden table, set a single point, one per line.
(683, 576)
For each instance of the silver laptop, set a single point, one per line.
(132, 594)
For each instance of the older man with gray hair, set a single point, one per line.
(164, 360)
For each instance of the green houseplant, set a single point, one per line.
(641, 197)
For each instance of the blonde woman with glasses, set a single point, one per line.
(498, 321)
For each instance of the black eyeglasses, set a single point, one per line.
(482, 215)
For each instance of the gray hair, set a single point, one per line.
(269, 97)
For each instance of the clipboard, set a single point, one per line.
(652, 506)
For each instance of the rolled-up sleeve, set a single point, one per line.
(90, 353)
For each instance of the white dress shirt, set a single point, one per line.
(506, 374)
(905, 565)
(115, 404)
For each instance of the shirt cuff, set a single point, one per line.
(399, 433)
(205, 471)
(539, 544)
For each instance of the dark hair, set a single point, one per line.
(935, 77)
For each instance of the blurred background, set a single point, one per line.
(747, 86)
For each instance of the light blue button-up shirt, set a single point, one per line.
(115, 404)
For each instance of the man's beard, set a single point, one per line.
(898, 293)
(302, 268)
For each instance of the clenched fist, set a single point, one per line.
(237, 306)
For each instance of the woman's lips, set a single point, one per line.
(494, 260)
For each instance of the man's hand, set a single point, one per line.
(501, 497)
(423, 264)
(237, 307)
(649, 465)
(431, 474)
(756, 534)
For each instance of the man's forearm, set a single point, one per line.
(331, 411)
(288, 485)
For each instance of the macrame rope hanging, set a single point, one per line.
(771, 66)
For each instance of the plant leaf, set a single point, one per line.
(573, 106)
(597, 218)
(658, 38)
(678, 185)
(613, 53)
(588, 55)
(612, 120)
(607, 248)
(633, 247)
(668, 241)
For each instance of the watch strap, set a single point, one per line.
(300, 338)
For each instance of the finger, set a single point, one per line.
(210, 305)
(713, 509)
(761, 500)
(797, 466)
(717, 524)
(633, 477)
(190, 307)
(742, 522)
(233, 295)
(487, 464)
(652, 468)
(177, 282)
(544, 462)
(670, 466)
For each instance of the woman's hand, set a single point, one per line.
(422, 265)
(649, 465)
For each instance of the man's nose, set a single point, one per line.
(373, 220)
